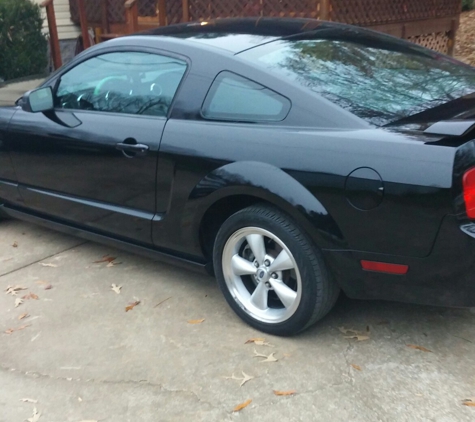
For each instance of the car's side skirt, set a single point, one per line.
(106, 240)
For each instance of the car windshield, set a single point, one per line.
(376, 77)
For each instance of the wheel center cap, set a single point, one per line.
(261, 274)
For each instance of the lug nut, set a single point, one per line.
(256, 264)
(268, 284)
(266, 262)
(274, 275)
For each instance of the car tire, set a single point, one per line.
(270, 272)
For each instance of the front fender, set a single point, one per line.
(271, 184)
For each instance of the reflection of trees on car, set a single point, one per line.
(378, 84)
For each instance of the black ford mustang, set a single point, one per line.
(291, 158)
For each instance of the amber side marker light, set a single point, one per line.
(384, 267)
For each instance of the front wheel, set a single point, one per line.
(270, 273)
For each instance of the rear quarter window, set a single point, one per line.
(238, 99)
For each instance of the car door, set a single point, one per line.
(93, 160)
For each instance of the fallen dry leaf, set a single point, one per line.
(259, 342)
(357, 367)
(163, 301)
(242, 405)
(30, 296)
(269, 358)
(46, 285)
(422, 349)
(284, 393)
(12, 290)
(468, 402)
(29, 401)
(105, 258)
(18, 302)
(132, 305)
(243, 380)
(116, 288)
(358, 337)
(254, 339)
(12, 330)
(196, 321)
(35, 417)
(263, 343)
(23, 316)
(113, 264)
(15, 245)
(48, 265)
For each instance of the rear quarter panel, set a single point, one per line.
(417, 178)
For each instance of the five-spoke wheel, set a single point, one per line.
(270, 273)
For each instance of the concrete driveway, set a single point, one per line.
(84, 358)
(79, 356)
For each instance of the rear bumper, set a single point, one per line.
(445, 278)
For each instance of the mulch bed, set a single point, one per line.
(465, 43)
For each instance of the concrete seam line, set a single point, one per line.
(42, 259)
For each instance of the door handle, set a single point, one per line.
(135, 149)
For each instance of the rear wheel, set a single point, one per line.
(270, 273)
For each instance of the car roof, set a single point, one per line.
(239, 34)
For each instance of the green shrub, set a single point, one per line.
(468, 4)
(23, 47)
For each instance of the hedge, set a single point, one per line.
(468, 4)
(23, 47)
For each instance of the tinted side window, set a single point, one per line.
(235, 98)
(125, 82)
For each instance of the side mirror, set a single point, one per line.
(38, 100)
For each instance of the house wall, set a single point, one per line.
(67, 30)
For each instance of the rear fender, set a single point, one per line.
(270, 184)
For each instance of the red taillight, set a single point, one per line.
(469, 192)
(384, 267)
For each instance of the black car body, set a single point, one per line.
(384, 204)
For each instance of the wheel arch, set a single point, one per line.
(238, 185)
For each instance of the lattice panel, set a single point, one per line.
(115, 10)
(93, 11)
(148, 7)
(207, 9)
(438, 41)
(377, 12)
(291, 8)
(174, 11)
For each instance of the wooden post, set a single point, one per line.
(162, 12)
(186, 10)
(324, 10)
(452, 35)
(86, 42)
(105, 17)
(53, 33)
(132, 16)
